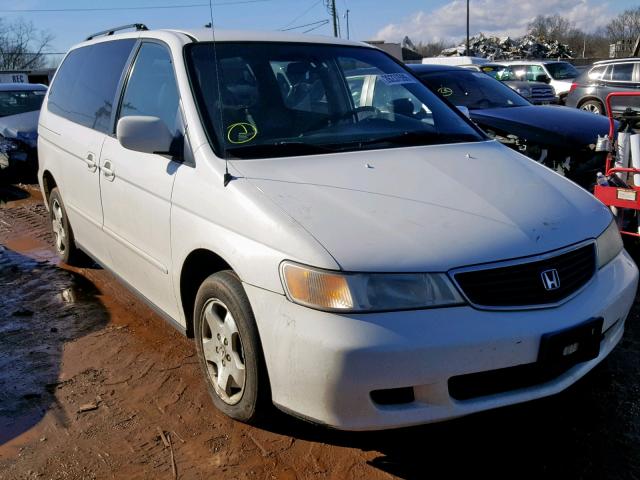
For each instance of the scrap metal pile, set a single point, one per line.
(507, 48)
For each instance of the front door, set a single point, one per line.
(136, 187)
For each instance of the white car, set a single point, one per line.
(359, 267)
(560, 75)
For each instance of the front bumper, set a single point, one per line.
(324, 366)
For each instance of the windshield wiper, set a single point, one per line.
(277, 149)
(404, 138)
(411, 139)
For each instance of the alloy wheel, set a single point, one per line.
(223, 352)
(57, 222)
(591, 108)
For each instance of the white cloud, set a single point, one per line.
(492, 17)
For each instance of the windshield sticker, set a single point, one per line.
(397, 78)
(445, 91)
(241, 132)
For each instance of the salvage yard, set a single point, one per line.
(95, 385)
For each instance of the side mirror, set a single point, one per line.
(543, 78)
(464, 110)
(144, 134)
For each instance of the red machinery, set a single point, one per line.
(613, 196)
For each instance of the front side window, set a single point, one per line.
(20, 101)
(622, 72)
(562, 70)
(301, 99)
(151, 89)
(84, 88)
(529, 73)
(356, 86)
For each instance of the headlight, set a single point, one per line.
(366, 292)
(608, 244)
(525, 92)
(8, 145)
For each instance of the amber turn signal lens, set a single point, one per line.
(317, 288)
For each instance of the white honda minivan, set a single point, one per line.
(359, 267)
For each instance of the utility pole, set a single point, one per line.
(467, 50)
(334, 14)
(346, 16)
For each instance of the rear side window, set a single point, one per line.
(597, 73)
(622, 72)
(85, 85)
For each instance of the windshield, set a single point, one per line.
(15, 102)
(499, 72)
(562, 70)
(300, 99)
(473, 90)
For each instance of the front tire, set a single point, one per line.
(63, 235)
(229, 348)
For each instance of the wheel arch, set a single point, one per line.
(48, 184)
(590, 98)
(197, 266)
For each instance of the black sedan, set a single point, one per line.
(561, 138)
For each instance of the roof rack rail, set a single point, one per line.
(111, 31)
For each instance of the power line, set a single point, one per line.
(313, 5)
(323, 22)
(106, 9)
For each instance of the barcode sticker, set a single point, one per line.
(397, 78)
(624, 194)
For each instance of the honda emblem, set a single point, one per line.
(550, 279)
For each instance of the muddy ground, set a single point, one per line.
(89, 376)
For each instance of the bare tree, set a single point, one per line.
(625, 27)
(22, 46)
(550, 27)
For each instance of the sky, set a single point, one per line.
(421, 20)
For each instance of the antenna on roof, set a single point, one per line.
(227, 176)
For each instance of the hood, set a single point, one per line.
(429, 208)
(23, 126)
(546, 125)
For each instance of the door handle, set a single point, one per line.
(107, 171)
(91, 162)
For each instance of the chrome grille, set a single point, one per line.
(542, 93)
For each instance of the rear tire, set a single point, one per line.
(64, 241)
(229, 348)
(593, 106)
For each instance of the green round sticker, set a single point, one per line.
(445, 91)
(241, 132)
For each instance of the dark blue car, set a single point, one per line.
(561, 138)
